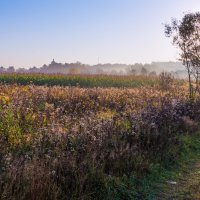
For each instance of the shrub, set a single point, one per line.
(166, 81)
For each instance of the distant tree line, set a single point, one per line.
(152, 69)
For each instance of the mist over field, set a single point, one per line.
(155, 68)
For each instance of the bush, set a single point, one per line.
(166, 81)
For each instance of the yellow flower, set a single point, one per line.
(4, 98)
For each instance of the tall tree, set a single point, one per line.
(185, 35)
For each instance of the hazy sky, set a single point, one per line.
(33, 32)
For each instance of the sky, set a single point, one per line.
(34, 32)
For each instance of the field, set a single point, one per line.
(86, 81)
(61, 142)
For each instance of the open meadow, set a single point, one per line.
(61, 142)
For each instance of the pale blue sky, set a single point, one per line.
(33, 32)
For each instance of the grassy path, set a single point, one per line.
(181, 181)
(186, 187)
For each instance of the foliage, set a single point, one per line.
(185, 34)
(71, 143)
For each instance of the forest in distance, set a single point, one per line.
(153, 69)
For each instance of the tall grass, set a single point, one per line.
(76, 143)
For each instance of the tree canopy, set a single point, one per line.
(185, 34)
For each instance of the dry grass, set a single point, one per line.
(66, 142)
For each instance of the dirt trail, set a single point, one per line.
(187, 187)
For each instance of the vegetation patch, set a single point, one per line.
(98, 143)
